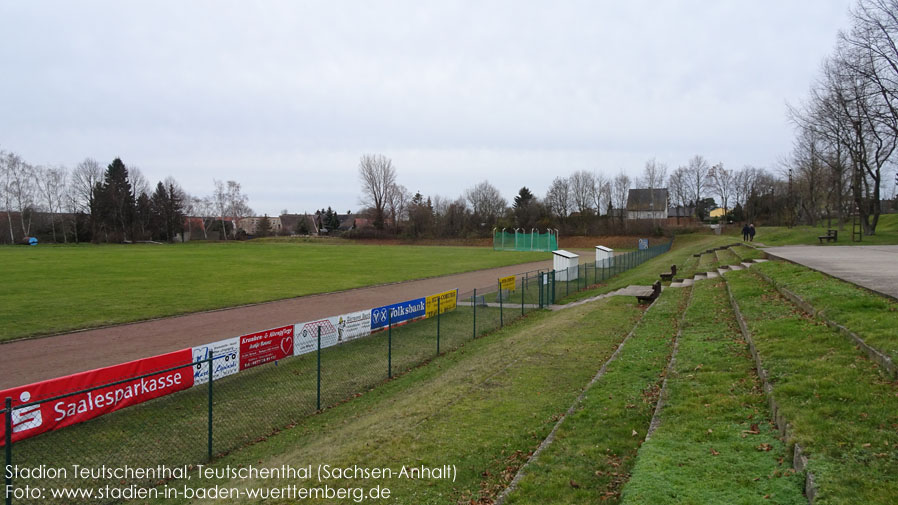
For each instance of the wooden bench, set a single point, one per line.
(669, 275)
(831, 236)
(649, 298)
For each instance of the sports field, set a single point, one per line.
(49, 289)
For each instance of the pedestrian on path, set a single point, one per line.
(745, 232)
(751, 232)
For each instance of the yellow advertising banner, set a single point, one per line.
(507, 283)
(446, 299)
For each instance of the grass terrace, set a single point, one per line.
(715, 443)
(595, 448)
(841, 409)
(873, 317)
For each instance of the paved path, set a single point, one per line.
(874, 267)
(26, 361)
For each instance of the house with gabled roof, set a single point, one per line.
(647, 203)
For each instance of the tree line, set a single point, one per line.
(115, 204)
(847, 127)
(583, 202)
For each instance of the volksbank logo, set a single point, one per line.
(397, 312)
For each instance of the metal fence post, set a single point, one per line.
(438, 325)
(318, 393)
(390, 343)
(567, 282)
(501, 320)
(209, 434)
(539, 286)
(474, 304)
(553, 287)
(523, 288)
(7, 416)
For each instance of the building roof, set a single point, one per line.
(641, 200)
(565, 254)
(290, 221)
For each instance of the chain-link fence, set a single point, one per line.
(223, 414)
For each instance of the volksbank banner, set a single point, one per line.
(400, 312)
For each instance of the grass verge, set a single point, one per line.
(716, 443)
(840, 408)
(596, 446)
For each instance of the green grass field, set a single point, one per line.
(886, 233)
(54, 289)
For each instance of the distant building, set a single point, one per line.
(647, 204)
(250, 225)
(290, 223)
(719, 212)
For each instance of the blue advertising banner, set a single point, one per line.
(402, 311)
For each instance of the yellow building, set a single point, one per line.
(718, 212)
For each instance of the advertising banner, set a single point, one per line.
(225, 361)
(307, 336)
(507, 283)
(353, 325)
(446, 299)
(55, 414)
(401, 312)
(266, 346)
(334, 330)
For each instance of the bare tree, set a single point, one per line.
(620, 191)
(558, 198)
(397, 204)
(653, 175)
(20, 189)
(378, 180)
(582, 184)
(677, 184)
(51, 184)
(722, 184)
(486, 202)
(230, 201)
(601, 193)
(697, 171)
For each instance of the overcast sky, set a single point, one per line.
(284, 97)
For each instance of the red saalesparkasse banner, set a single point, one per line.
(266, 346)
(55, 414)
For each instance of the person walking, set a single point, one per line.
(751, 232)
(745, 232)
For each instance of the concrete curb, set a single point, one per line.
(799, 458)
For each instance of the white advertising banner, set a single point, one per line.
(225, 360)
(334, 330)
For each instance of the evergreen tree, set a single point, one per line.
(116, 203)
(263, 229)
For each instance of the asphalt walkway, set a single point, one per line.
(874, 267)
